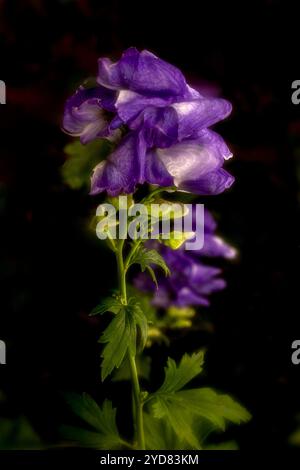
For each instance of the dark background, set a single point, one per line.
(53, 271)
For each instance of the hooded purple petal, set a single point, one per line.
(214, 182)
(199, 114)
(123, 169)
(141, 72)
(171, 143)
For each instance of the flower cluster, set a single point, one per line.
(159, 132)
(159, 124)
(191, 280)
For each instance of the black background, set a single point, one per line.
(53, 272)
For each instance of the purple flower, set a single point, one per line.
(123, 169)
(141, 72)
(85, 115)
(195, 165)
(145, 83)
(214, 246)
(160, 110)
(191, 281)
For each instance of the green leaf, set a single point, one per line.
(178, 417)
(84, 438)
(176, 377)
(215, 407)
(142, 323)
(144, 301)
(81, 161)
(101, 419)
(159, 435)
(181, 409)
(121, 336)
(109, 304)
(18, 434)
(176, 239)
(84, 406)
(118, 335)
(147, 259)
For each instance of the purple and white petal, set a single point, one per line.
(199, 114)
(156, 172)
(189, 161)
(212, 138)
(214, 182)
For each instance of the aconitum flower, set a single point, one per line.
(85, 115)
(192, 280)
(214, 246)
(165, 122)
(190, 283)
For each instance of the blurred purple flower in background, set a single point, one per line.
(166, 140)
(191, 280)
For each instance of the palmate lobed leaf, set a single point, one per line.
(147, 259)
(121, 336)
(159, 435)
(108, 304)
(91, 439)
(102, 419)
(176, 377)
(142, 323)
(182, 409)
(179, 418)
(204, 403)
(216, 407)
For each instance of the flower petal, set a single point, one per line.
(187, 297)
(215, 246)
(141, 72)
(123, 169)
(209, 137)
(214, 182)
(156, 172)
(199, 114)
(84, 115)
(189, 161)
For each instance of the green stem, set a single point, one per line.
(138, 415)
(121, 272)
(157, 191)
(139, 424)
(131, 253)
